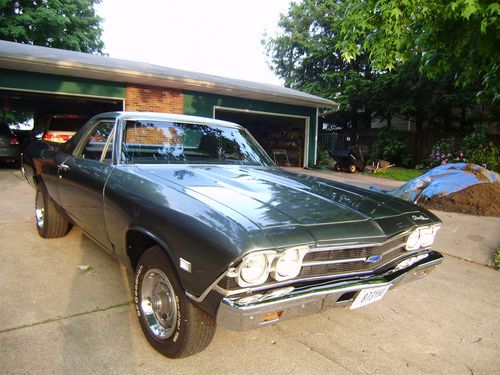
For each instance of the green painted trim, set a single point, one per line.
(48, 83)
(201, 104)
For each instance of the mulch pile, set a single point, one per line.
(481, 199)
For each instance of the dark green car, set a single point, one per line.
(215, 232)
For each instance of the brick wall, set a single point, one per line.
(154, 99)
(153, 136)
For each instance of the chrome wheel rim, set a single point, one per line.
(158, 303)
(39, 210)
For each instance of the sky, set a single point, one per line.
(220, 37)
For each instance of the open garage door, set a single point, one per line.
(282, 136)
(26, 112)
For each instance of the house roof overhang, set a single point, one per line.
(46, 60)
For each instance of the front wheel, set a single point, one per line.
(171, 323)
(351, 168)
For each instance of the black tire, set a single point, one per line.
(178, 329)
(50, 222)
(337, 167)
(351, 168)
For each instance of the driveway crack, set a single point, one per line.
(59, 318)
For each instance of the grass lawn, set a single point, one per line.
(399, 174)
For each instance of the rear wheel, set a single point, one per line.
(50, 222)
(171, 323)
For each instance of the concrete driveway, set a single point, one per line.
(55, 318)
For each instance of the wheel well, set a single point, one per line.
(137, 244)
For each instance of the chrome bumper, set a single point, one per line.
(301, 302)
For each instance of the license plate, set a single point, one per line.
(367, 296)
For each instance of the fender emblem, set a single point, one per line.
(419, 217)
(373, 259)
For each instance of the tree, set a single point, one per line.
(71, 25)
(346, 50)
(456, 40)
(305, 55)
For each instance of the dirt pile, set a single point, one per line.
(480, 199)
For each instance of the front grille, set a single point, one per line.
(319, 254)
(389, 251)
(229, 283)
(349, 267)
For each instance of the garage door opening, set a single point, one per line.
(26, 113)
(282, 136)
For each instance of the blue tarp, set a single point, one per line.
(443, 180)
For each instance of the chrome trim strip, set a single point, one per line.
(242, 316)
(325, 262)
(225, 292)
(208, 290)
(361, 274)
(357, 245)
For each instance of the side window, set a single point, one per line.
(97, 142)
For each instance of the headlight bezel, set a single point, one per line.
(268, 255)
(426, 236)
(271, 268)
(299, 253)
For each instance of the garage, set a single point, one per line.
(33, 110)
(281, 135)
(39, 82)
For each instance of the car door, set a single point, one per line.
(82, 178)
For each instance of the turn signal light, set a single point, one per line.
(271, 317)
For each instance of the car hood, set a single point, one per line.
(276, 201)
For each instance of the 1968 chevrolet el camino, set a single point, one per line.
(215, 232)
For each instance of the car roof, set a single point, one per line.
(168, 117)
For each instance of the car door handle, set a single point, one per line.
(63, 167)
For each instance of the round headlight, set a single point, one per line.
(426, 237)
(413, 241)
(288, 264)
(254, 268)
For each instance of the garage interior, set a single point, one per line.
(281, 136)
(19, 105)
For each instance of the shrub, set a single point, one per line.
(324, 159)
(391, 146)
(445, 151)
(480, 151)
(495, 262)
(474, 148)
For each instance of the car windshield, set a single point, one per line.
(164, 142)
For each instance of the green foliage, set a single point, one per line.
(305, 56)
(324, 159)
(446, 150)
(382, 58)
(71, 25)
(479, 150)
(455, 39)
(475, 148)
(495, 262)
(391, 146)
